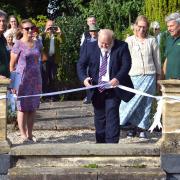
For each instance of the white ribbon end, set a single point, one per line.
(157, 116)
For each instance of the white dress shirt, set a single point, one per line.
(51, 46)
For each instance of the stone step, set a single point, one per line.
(64, 115)
(86, 149)
(63, 104)
(64, 124)
(75, 155)
(72, 161)
(83, 173)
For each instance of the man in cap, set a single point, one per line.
(93, 35)
(91, 20)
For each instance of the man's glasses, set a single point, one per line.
(30, 28)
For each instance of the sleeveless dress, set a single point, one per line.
(30, 77)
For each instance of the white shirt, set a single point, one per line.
(51, 46)
(82, 39)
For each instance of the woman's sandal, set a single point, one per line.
(33, 139)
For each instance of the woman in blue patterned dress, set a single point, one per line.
(25, 54)
(145, 71)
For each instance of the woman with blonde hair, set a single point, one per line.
(25, 53)
(145, 71)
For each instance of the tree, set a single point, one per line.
(158, 9)
(114, 14)
(26, 9)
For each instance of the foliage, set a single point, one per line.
(11, 115)
(157, 10)
(26, 8)
(114, 14)
(127, 32)
(40, 21)
(72, 28)
(9, 9)
(164, 36)
(91, 166)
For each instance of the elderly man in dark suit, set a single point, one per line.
(108, 61)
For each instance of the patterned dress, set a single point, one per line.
(30, 77)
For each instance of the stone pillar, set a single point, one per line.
(170, 147)
(4, 143)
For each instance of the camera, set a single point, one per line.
(53, 28)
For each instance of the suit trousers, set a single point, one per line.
(48, 72)
(106, 119)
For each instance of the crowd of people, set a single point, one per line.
(31, 59)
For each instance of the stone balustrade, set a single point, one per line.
(170, 147)
(4, 143)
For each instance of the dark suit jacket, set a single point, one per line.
(120, 64)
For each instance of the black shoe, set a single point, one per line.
(131, 133)
(86, 101)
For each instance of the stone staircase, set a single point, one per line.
(64, 115)
(81, 161)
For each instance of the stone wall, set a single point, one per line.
(170, 147)
(4, 143)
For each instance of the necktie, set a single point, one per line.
(102, 71)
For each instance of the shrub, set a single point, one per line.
(72, 28)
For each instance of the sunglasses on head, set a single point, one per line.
(30, 28)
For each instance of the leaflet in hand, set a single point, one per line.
(15, 80)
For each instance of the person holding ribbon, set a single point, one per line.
(108, 61)
(24, 64)
(145, 71)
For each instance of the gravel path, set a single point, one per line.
(77, 117)
(77, 136)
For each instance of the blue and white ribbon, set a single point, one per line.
(157, 115)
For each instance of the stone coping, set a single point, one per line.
(86, 150)
(89, 173)
(5, 81)
(169, 82)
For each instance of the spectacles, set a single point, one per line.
(143, 27)
(30, 28)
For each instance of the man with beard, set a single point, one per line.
(108, 61)
(4, 57)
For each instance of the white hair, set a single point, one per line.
(173, 17)
(155, 25)
(107, 32)
(2, 13)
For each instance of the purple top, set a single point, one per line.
(29, 70)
